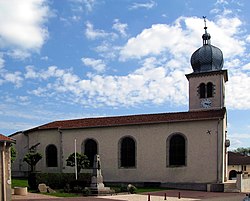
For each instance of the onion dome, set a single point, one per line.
(208, 57)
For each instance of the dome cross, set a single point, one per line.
(206, 37)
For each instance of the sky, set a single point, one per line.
(66, 59)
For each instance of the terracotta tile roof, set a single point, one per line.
(133, 120)
(238, 159)
(4, 138)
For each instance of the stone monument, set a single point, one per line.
(97, 186)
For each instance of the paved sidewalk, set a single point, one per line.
(171, 195)
(136, 197)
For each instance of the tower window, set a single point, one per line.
(202, 90)
(206, 90)
(209, 90)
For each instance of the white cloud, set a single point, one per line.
(150, 83)
(222, 2)
(45, 58)
(120, 27)
(79, 4)
(52, 71)
(164, 51)
(30, 73)
(246, 66)
(14, 78)
(248, 38)
(108, 50)
(156, 40)
(147, 5)
(16, 125)
(185, 35)
(238, 140)
(89, 4)
(93, 34)
(22, 25)
(2, 61)
(19, 54)
(96, 64)
(237, 96)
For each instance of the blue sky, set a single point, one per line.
(64, 59)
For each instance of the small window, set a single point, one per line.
(177, 150)
(206, 90)
(127, 152)
(51, 156)
(209, 90)
(202, 90)
(90, 150)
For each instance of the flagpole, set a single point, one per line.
(75, 161)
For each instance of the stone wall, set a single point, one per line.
(243, 183)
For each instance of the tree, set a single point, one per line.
(242, 150)
(13, 153)
(32, 159)
(81, 160)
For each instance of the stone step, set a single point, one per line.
(230, 188)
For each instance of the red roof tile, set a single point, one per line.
(238, 159)
(133, 120)
(4, 138)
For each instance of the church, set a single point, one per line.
(182, 149)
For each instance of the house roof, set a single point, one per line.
(238, 159)
(4, 138)
(133, 120)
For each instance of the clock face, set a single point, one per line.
(206, 103)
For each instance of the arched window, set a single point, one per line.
(209, 90)
(232, 175)
(127, 152)
(51, 156)
(90, 150)
(206, 90)
(177, 150)
(202, 90)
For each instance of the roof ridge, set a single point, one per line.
(137, 119)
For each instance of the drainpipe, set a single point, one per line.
(218, 151)
(219, 154)
(3, 172)
(60, 158)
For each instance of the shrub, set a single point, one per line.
(123, 188)
(131, 189)
(58, 180)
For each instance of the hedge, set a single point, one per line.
(58, 180)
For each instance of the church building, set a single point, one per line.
(182, 149)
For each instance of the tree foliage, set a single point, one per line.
(81, 160)
(32, 159)
(13, 153)
(242, 150)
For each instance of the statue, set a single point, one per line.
(97, 186)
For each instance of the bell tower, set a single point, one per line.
(207, 81)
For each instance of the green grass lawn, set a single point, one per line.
(19, 183)
(60, 193)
